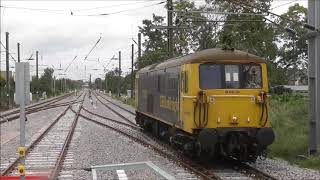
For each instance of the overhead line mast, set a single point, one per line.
(119, 74)
(170, 30)
(314, 76)
(7, 68)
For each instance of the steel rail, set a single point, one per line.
(14, 164)
(251, 170)
(116, 112)
(34, 143)
(37, 109)
(242, 166)
(185, 164)
(112, 120)
(29, 112)
(48, 102)
(117, 105)
(59, 162)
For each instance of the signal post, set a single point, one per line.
(23, 98)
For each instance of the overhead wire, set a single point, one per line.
(283, 4)
(9, 52)
(86, 9)
(117, 12)
(92, 48)
(249, 8)
(116, 5)
(242, 4)
(70, 63)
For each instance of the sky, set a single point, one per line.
(63, 30)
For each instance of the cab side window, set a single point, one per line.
(184, 82)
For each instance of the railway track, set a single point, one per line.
(235, 168)
(113, 110)
(36, 108)
(48, 102)
(45, 155)
(130, 112)
(159, 150)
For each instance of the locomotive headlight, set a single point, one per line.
(219, 120)
(234, 119)
(259, 99)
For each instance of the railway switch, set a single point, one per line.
(22, 151)
(21, 170)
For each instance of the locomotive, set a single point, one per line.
(213, 102)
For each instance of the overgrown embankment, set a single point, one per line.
(290, 120)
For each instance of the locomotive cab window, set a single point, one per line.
(230, 76)
(210, 76)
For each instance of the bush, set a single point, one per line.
(289, 119)
(280, 90)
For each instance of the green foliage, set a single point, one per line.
(45, 81)
(293, 52)
(246, 32)
(276, 74)
(2, 81)
(288, 55)
(2, 92)
(155, 44)
(156, 39)
(196, 31)
(98, 83)
(289, 119)
(192, 33)
(113, 79)
(152, 57)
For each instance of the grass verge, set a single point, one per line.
(289, 119)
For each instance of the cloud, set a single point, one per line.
(58, 36)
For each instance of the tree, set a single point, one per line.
(45, 81)
(2, 81)
(244, 31)
(2, 92)
(240, 28)
(155, 42)
(112, 79)
(293, 50)
(98, 83)
(197, 31)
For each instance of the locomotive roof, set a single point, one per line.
(208, 55)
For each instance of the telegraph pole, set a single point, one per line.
(170, 30)
(90, 82)
(0, 46)
(314, 77)
(105, 81)
(119, 75)
(37, 72)
(139, 49)
(7, 68)
(317, 59)
(132, 77)
(311, 82)
(54, 86)
(65, 84)
(18, 49)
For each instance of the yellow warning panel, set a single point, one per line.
(22, 151)
(21, 170)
